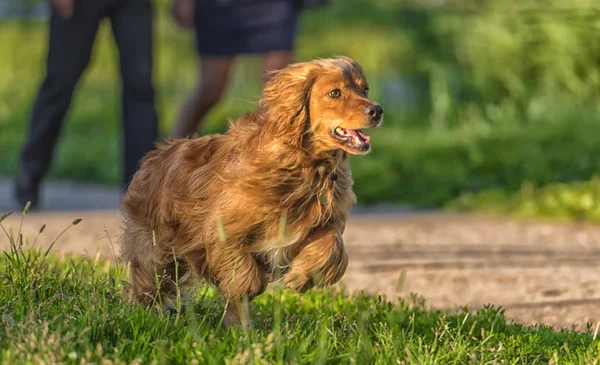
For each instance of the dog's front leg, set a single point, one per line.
(238, 278)
(322, 261)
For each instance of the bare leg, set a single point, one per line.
(321, 262)
(212, 80)
(273, 61)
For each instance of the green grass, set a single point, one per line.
(73, 310)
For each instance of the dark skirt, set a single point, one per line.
(237, 27)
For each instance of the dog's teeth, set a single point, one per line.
(339, 130)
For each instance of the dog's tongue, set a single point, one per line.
(359, 136)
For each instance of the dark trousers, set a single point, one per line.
(69, 50)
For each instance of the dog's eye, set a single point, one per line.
(335, 93)
(366, 91)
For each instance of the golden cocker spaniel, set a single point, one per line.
(271, 195)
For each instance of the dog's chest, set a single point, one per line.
(326, 203)
(329, 196)
(335, 191)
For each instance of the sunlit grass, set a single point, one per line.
(75, 310)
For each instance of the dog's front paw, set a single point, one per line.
(237, 314)
(299, 282)
(233, 321)
(322, 262)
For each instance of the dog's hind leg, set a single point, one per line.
(156, 277)
(158, 283)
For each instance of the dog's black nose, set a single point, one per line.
(374, 111)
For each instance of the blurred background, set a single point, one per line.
(491, 105)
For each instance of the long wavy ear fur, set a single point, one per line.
(285, 102)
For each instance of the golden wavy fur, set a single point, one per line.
(271, 194)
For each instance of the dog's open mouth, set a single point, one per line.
(353, 138)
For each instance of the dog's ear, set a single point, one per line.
(285, 101)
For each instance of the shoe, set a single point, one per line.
(26, 191)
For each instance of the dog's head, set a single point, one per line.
(323, 104)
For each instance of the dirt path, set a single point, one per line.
(538, 271)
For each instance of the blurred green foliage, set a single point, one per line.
(478, 94)
(574, 201)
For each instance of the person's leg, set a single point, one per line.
(273, 61)
(212, 80)
(132, 27)
(69, 50)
